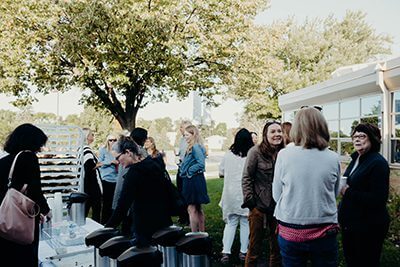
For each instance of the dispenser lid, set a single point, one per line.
(78, 197)
(115, 246)
(195, 243)
(144, 256)
(99, 236)
(168, 236)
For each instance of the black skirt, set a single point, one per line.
(194, 189)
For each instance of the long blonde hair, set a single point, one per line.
(196, 139)
(107, 145)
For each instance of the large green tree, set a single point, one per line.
(123, 54)
(291, 56)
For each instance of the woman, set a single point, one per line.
(286, 127)
(305, 186)
(363, 215)
(92, 182)
(150, 146)
(108, 167)
(231, 169)
(194, 188)
(144, 190)
(257, 191)
(30, 139)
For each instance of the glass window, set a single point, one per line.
(396, 125)
(346, 148)
(331, 111)
(396, 151)
(373, 120)
(350, 109)
(371, 105)
(289, 116)
(396, 102)
(347, 126)
(333, 127)
(333, 145)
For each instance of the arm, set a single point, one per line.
(199, 163)
(379, 187)
(277, 181)
(337, 184)
(126, 198)
(103, 157)
(248, 180)
(27, 171)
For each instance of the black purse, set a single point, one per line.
(176, 202)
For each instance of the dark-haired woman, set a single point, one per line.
(363, 215)
(257, 190)
(29, 139)
(231, 169)
(144, 191)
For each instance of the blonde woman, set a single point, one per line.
(194, 188)
(108, 167)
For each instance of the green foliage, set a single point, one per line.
(291, 56)
(123, 54)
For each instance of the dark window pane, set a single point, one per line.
(346, 148)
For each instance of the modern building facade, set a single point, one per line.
(359, 93)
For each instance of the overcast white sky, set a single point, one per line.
(383, 15)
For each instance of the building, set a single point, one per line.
(359, 93)
(215, 142)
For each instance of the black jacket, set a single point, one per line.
(26, 171)
(144, 189)
(363, 206)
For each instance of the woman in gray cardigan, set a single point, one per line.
(305, 186)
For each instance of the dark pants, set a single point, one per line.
(322, 252)
(184, 217)
(363, 248)
(258, 222)
(108, 196)
(93, 202)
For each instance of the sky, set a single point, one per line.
(382, 15)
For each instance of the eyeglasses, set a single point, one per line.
(359, 136)
(272, 121)
(119, 155)
(319, 108)
(112, 140)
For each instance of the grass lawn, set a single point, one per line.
(215, 227)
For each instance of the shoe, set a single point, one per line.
(224, 258)
(242, 256)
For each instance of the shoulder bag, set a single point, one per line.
(17, 213)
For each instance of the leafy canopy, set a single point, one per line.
(123, 54)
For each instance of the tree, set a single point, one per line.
(122, 53)
(295, 56)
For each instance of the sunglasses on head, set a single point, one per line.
(319, 108)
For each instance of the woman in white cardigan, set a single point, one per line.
(231, 169)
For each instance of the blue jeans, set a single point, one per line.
(322, 252)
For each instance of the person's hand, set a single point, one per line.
(344, 188)
(115, 162)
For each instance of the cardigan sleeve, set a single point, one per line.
(277, 181)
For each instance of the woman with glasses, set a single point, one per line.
(257, 194)
(144, 191)
(363, 215)
(305, 186)
(92, 181)
(108, 167)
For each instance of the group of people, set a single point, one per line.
(283, 187)
(286, 188)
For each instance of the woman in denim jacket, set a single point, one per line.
(194, 188)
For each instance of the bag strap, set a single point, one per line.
(10, 174)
